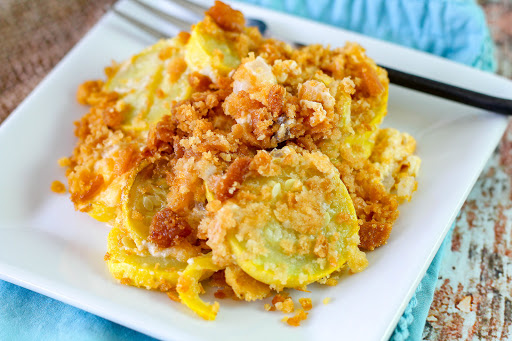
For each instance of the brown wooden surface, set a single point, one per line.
(35, 35)
(473, 300)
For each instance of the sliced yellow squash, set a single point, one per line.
(136, 81)
(170, 91)
(144, 195)
(138, 268)
(363, 143)
(102, 212)
(244, 286)
(292, 223)
(105, 205)
(331, 146)
(145, 87)
(189, 287)
(209, 52)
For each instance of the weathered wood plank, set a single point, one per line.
(473, 298)
(478, 264)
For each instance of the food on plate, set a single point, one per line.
(224, 156)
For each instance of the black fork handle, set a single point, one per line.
(451, 92)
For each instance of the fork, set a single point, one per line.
(454, 93)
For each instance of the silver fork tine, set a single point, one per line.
(156, 33)
(180, 23)
(192, 7)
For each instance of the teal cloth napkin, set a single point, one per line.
(454, 29)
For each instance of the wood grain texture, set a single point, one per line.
(499, 18)
(473, 298)
(28, 51)
(479, 263)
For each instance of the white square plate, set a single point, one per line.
(48, 247)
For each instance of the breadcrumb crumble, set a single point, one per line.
(58, 187)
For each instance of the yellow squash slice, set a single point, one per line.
(145, 86)
(102, 212)
(105, 205)
(209, 52)
(292, 222)
(331, 146)
(138, 268)
(363, 143)
(144, 195)
(189, 288)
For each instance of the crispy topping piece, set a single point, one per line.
(167, 228)
(226, 186)
(226, 17)
(58, 187)
(198, 81)
(306, 303)
(244, 286)
(297, 319)
(371, 81)
(91, 184)
(176, 67)
(87, 90)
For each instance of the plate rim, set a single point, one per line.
(110, 316)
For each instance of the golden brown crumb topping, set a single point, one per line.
(167, 228)
(375, 207)
(286, 306)
(88, 91)
(224, 186)
(58, 187)
(295, 321)
(173, 296)
(306, 303)
(226, 17)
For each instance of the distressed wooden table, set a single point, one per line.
(473, 300)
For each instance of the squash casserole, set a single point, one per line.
(220, 155)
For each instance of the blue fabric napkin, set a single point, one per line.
(411, 324)
(453, 29)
